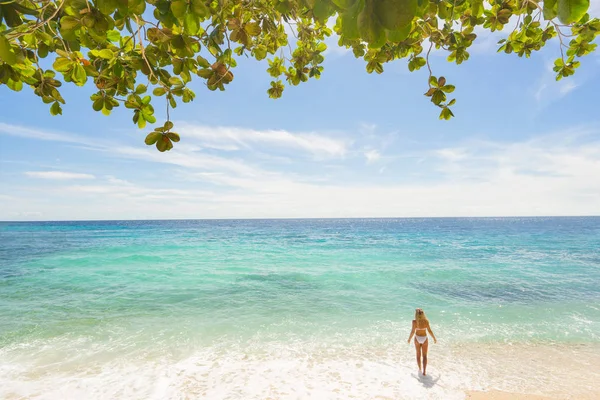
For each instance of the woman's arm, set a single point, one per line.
(412, 332)
(431, 333)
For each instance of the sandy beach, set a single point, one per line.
(496, 395)
(312, 371)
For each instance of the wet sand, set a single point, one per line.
(497, 395)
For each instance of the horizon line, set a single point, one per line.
(298, 218)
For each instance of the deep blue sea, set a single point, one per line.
(291, 308)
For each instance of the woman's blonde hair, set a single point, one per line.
(420, 315)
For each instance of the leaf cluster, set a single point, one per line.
(129, 48)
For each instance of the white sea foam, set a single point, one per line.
(300, 370)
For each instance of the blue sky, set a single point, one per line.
(348, 145)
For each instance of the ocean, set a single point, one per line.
(290, 309)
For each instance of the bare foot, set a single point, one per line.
(424, 373)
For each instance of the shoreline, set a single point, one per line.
(283, 370)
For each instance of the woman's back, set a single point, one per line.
(421, 326)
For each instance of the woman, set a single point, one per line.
(420, 326)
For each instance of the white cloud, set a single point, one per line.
(182, 156)
(231, 138)
(116, 181)
(372, 156)
(58, 175)
(548, 175)
(567, 87)
(32, 133)
(367, 129)
(26, 215)
(451, 154)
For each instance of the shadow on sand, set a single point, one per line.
(427, 381)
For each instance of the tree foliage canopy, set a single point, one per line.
(128, 48)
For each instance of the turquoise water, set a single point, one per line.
(76, 294)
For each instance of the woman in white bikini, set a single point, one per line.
(420, 327)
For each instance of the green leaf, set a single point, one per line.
(370, 27)
(448, 88)
(16, 86)
(107, 6)
(394, 14)
(205, 73)
(191, 24)
(202, 62)
(62, 64)
(141, 122)
(79, 75)
(140, 89)
(159, 91)
(344, 4)
(7, 54)
(199, 8)
(349, 20)
(446, 113)
(276, 89)
(106, 54)
(136, 7)
(550, 9)
(152, 138)
(570, 11)
(477, 8)
(179, 8)
(252, 28)
(260, 52)
(400, 34)
(175, 81)
(42, 50)
(173, 136)
(11, 15)
(68, 23)
(168, 125)
(164, 144)
(98, 104)
(55, 109)
(113, 36)
(322, 10)
(438, 97)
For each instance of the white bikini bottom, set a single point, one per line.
(421, 339)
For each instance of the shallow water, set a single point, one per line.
(294, 308)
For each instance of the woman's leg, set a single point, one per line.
(425, 346)
(418, 348)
